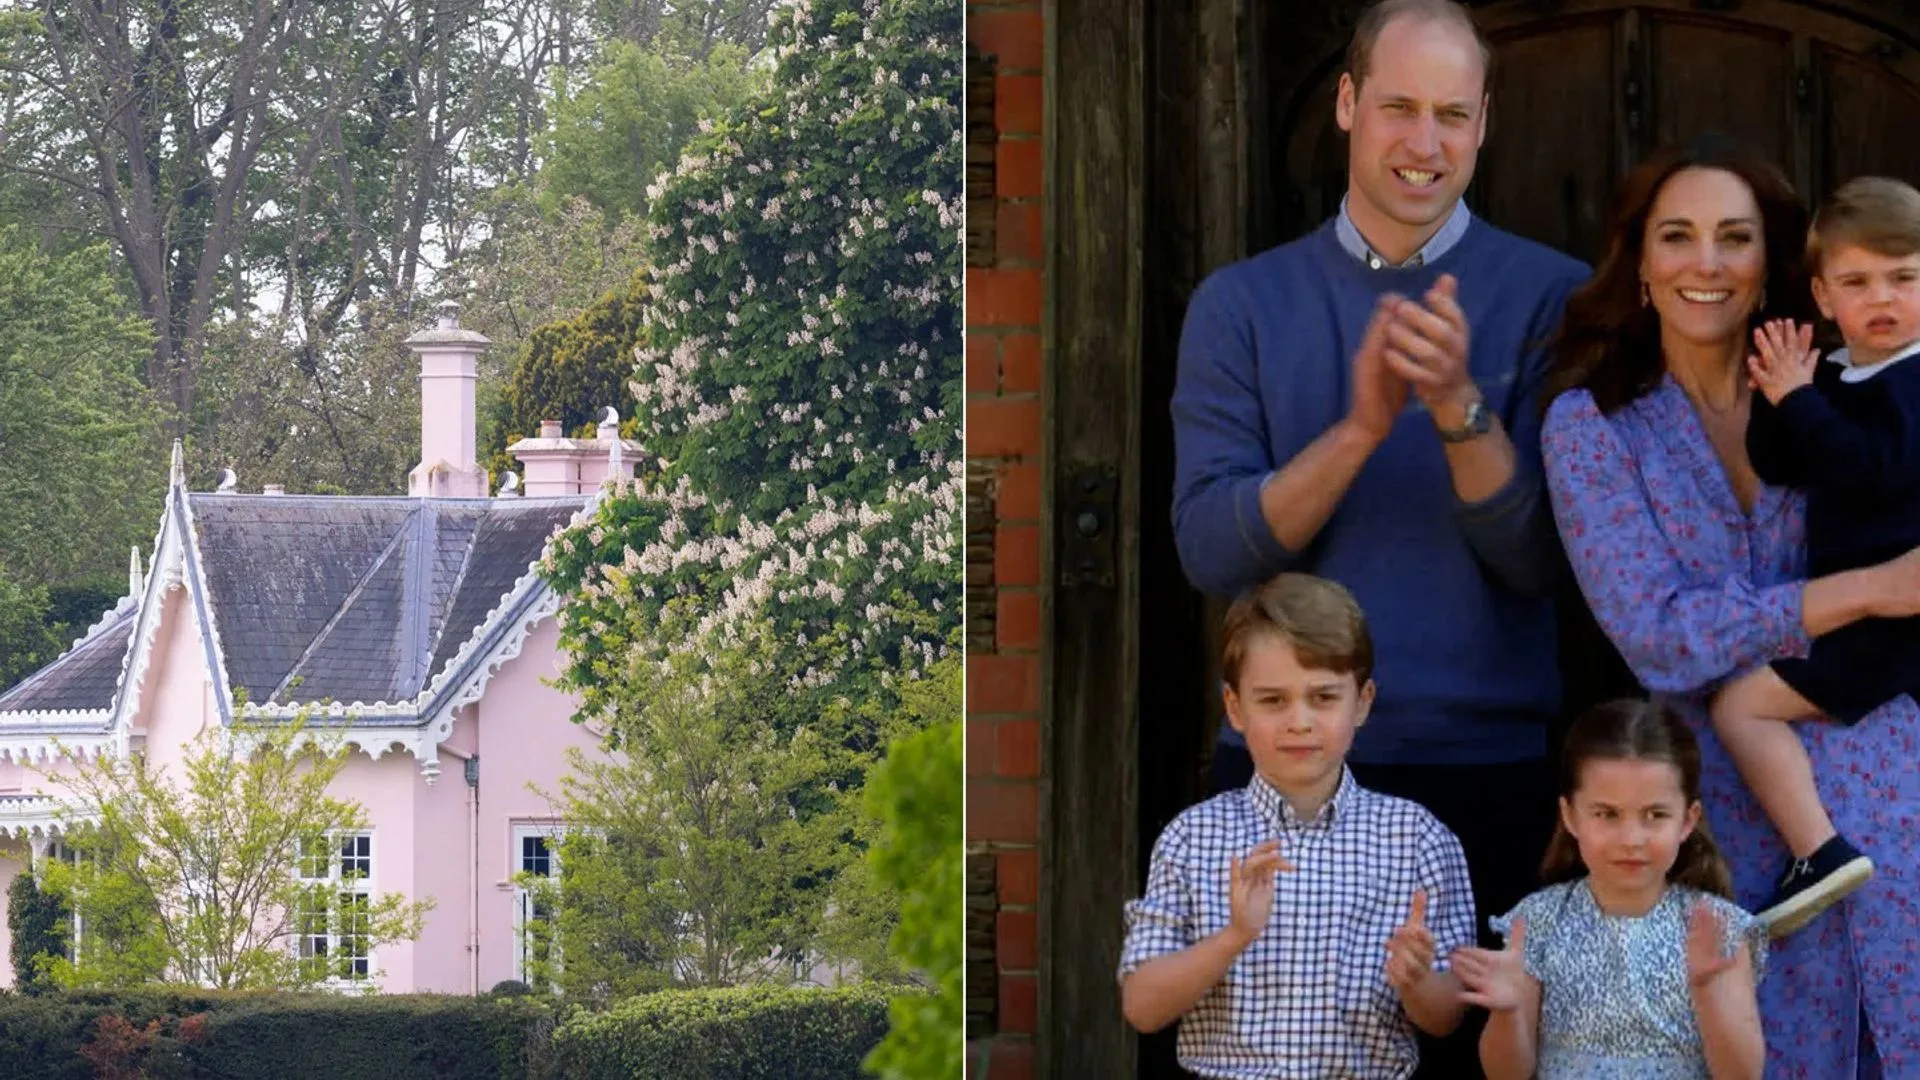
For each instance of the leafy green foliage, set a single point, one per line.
(631, 115)
(799, 386)
(26, 641)
(76, 427)
(38, 925)
(274, 1035)
(700, 849)
(190, 874)
(758, 1033)
(917, 793)
(573, 369)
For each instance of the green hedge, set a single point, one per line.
(761, 1033)
(208, 1036)
(742, 1034)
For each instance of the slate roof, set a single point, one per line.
(359, 599)
(318, 598)
(82, 678)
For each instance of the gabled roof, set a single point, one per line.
(392, 610)
(352, 599)
(84, 677)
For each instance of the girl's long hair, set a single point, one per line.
(1632, 730)
(1609, 341)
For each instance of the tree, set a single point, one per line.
(916, 791)
(798, 390)
(26, 641)
(37, 925)
(629, 118)
(693, 860)
(76, 427)
(862, 926)
(208, 882)
(573, 369)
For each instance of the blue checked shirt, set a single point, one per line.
(1309, 997)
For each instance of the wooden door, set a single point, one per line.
(1238, 153)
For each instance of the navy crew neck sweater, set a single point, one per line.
(1458, 597)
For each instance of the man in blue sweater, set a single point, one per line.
(1363, 404)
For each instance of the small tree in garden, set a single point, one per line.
(916, 793)
(690, 862)
(37, 925)
(205, 873)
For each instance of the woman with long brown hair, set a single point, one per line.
(1694, 569)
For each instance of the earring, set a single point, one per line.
(1763, 299)
(1646, 295)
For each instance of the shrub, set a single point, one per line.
(37, 923)
(255, 1036)
(748, 1033)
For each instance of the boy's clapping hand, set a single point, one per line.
(1252, 897)
(1784, 358)
(1410, 949)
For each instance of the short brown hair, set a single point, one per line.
(1633, 730)
(1877, 213)
(1374, 21)
(1320, 619)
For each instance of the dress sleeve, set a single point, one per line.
(1742, 928)
(1675, 636)
(1540, 910)
(1163, 920)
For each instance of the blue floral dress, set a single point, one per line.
(1614, 1003)
(1694, 591)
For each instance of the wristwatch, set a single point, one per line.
(1478, 422)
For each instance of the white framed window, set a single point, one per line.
(57, 850)
(535, 854)
(333, 924)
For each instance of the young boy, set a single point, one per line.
(1849, 434)
(1298, 927)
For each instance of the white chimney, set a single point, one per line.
(448, 374)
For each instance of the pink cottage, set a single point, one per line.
(423, 614)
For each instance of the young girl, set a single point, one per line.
(1632, 962)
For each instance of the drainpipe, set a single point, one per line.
(472, 774)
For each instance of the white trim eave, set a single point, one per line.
(165, 573)
(21, 747)
(36, 816)
(204, 615)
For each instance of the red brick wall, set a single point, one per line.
(1004, 430)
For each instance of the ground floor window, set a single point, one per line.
(334, 922)
(536, 877)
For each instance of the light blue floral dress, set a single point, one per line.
(1613, 989)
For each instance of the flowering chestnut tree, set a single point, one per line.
(798, 377)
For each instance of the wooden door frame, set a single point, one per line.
(1143, 198)
(1094, 153)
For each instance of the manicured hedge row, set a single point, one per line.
(205, 1036)
(741, 1034)
(762, 1033)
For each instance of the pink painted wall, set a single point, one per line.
(428, 842)
(524, 734)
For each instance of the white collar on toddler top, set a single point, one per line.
(1867, 371)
